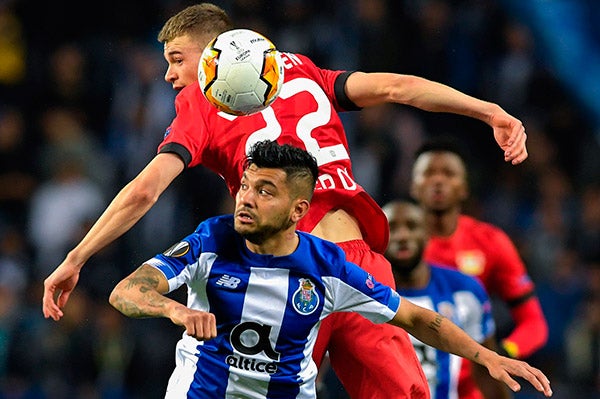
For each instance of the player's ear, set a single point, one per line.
(301, 207)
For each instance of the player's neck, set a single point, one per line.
(442, 223)
(416, 279)
(280, 244)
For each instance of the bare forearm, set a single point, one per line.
(139, 295)
(377, 88)
(436, 97)
(132, 202)
(445, 335)
(124, 211)
(435, 330)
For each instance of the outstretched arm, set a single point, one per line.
(130, 204)
(368, 89)
(435, 330)
(140, 295)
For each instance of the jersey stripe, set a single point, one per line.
(267, 296)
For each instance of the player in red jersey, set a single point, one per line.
(305, 114)
(439, 184)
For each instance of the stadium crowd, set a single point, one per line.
(83, 106)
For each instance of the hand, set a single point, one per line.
(504, 368)
(198, 324)
(509, 133)
(58, 286)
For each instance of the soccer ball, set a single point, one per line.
(240, 72)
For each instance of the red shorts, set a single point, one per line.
(371, 360)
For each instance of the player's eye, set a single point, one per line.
(264, 191)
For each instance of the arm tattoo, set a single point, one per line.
(143, 278)
(146, 282)
(436, 323)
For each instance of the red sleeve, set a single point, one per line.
(333, 82)
(509, 279)
(515, 287)
(187, 135)
(531, 329)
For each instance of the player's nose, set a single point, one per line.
(170, 75)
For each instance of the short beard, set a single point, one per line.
(405, 268)
(439, 212)
(261, 235)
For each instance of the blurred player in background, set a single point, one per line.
(304, 115)
(440, 186)
(258, 289)
(457, 296)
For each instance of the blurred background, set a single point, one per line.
(83, 106)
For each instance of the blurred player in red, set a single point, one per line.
(306, 115)
(439, 184)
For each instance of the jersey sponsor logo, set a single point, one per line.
(228, 281)
(178, 250)
(305, 298)
(471, 262)
(167, 132)
(250, 339)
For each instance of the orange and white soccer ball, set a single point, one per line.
(240, 72)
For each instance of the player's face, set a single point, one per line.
(439, 181)
(407, 236)
(183, 54)
(263, 204)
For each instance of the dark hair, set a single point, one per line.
(296, 162)
(443, 144)
(197, 20)
(447, 144)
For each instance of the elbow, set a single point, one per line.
(141, 195)
(401, 87)
(113, 298)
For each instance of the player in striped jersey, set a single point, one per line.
(258, 290)
(457, 296)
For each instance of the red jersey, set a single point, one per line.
(486, 252)
(304, 115)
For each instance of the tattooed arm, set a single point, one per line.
(141, 294)
(435, 330)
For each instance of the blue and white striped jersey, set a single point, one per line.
(268, 310)
(462, 299)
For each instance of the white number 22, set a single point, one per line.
(305, 125)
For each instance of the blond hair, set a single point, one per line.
(196, 21)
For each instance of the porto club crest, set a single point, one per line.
(305, 299)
